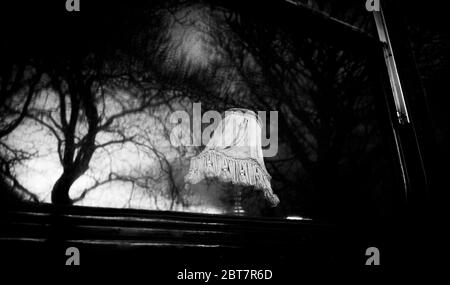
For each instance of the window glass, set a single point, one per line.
(117, 117)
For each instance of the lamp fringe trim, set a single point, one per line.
(238, 171)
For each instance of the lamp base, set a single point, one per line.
(238, 210)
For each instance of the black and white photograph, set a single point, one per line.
(225, 141)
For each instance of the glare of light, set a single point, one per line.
(189, 36)
(205, 210)
(297, 218)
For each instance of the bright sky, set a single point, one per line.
(41, 172)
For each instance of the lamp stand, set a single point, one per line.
(238, 210)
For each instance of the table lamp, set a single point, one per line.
(234, 155)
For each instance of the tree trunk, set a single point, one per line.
(60, 191)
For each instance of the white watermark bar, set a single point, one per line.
(187, 132)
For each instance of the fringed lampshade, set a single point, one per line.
(234, 154)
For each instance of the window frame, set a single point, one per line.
(185, 230)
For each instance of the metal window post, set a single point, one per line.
(399, 99)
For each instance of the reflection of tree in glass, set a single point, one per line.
(110, 101)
